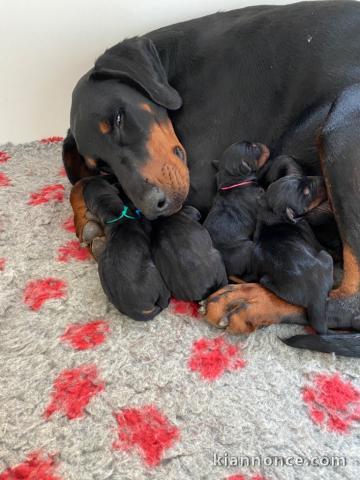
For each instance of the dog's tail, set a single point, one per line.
(346, 344)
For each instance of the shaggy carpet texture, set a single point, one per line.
(88, 394)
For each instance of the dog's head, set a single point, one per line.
(241, 161)
(291, 197)
(119, 123)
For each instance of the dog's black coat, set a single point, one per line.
(287, 258)
(184, 255)
(231, 221)
(127, 272)
(284, 75)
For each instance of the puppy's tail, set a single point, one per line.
(346, 344)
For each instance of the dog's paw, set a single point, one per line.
(244, 308)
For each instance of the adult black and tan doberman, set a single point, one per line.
(156, 110)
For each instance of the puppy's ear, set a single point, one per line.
(290, 214)
(264, 157)
(136, 60)
(74, 163)
(192, 213)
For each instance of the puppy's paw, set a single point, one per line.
(91, 230)
(97, 246)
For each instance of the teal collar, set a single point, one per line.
(124, 214)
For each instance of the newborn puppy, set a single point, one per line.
(127, 272)
(232, 219)
(287, 259)
(184, 255)
(321, 219)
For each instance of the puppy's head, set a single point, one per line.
(291, 197)
(241, 161)
(103, 199)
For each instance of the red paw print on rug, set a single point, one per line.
(72, 250)
(4, 156)
(37, 466)
(37, 292)
(243, 477)
(62, 172)
(85, 336)
(4, 180)
(54, 139)
(184, 308)
(146, 430)
(73, 390)
(69, 225)
(50, 193)
(213, 357)
(332, 402)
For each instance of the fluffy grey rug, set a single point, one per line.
(86, 393)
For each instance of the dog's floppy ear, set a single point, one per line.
(136, 60)
(74, 163)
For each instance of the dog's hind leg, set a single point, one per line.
(317, 315)
(319, 289)
(340, 158)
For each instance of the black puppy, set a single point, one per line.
(127, 272)
(184, 255)
(287, 259)
(232, 219)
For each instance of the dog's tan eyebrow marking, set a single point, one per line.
(146, 107)
(104, 126)
(90, 162)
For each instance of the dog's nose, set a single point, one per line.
(156, 204)
(161, 201)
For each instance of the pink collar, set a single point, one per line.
(241, 184)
